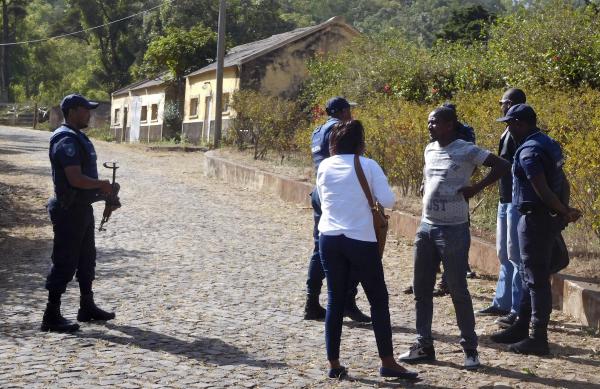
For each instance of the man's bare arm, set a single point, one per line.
(80, 181)
(499, 167)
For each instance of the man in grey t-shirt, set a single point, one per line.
(444, 230)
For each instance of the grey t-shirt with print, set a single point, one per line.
(447, 169)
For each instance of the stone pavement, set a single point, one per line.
(207, 280)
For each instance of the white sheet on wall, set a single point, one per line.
(136, 112)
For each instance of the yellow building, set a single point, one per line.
(137, 111)
(275, 66)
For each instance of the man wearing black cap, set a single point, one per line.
(508, 288)
(541, 194)
(76, 187)
(338, 109)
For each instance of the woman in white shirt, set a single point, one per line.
(348, 244)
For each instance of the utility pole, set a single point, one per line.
(220, 55)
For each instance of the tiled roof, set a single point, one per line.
(246, 52)
(147, 83)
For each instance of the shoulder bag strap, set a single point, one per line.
(363, 181)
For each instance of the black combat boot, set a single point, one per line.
(536, 344)
(313, 310)
(88, 310)
(513, 334)
(55, 322)
(353, 312)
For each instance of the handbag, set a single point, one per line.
(380, 219)
(560, 255)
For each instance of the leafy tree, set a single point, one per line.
(117, 44)
(247, 20)
(180, 51)
(466, 23)
(13, 13)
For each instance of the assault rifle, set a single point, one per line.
(111, 202)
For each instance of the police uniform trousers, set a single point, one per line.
(74, 250)
(537, 232)
(316, 274)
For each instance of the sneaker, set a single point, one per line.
(492, 310)
(408, 290)
(506, 321)
(472, 359)
(418, 353)
(441, 290)
(471, 274)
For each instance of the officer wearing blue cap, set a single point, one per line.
(76, 187)
(338, 109)
(541, 194)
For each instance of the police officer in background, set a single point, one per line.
(541, 194)
(76, 187)
(338, 109)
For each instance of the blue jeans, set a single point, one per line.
(340, 257)
(314, 282)
(451, 244)
(508, 288)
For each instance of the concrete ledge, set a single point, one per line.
(569, 294)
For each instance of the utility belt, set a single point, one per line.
(73, 197)
(536, 209)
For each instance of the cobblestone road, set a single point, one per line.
(207, 280)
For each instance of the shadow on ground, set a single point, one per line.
(209, 350)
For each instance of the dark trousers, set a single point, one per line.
(314, 282)
(74, 250)
(536, 238)
(450, 243)
(341, 256)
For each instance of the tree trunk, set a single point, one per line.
(4, 54)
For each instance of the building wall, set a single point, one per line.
(150, 130)
(281, 72)
(119, 102)
(200, 87)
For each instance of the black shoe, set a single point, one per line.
(492, 310)
(408, 290)
(506, 321)
(471, 274)
(531, 346)
(441, 290)
(337, 373)
(89, 311)
(354, 313)
(313, 310)
(513, 334)
(55, 322)
(386, 372)
(418, 353)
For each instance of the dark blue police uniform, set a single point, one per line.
(71, 212)
(538, 226)
(320, 151)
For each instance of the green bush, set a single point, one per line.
(265, 123)
(550, 43)
(550, 49)
(102, 133)
(396, 137)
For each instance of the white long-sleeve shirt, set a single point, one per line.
(343, 203)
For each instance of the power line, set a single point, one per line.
(84, 30)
